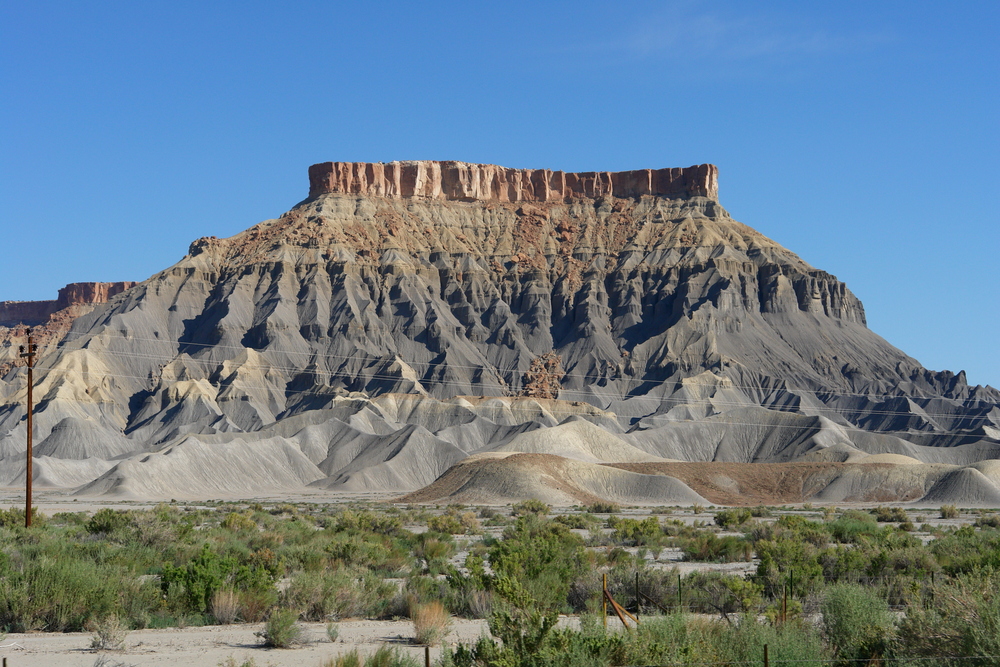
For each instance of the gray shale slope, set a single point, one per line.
(384, 330)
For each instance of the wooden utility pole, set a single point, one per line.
(29, 354)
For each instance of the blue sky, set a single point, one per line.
(861, 135)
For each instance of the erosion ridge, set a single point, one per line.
(368, 340)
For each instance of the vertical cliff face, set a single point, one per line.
(34, 313)
(460, 181)
(50, 319)
(76, 294)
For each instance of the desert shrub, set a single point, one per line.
(365, 521)
(857, 622)
(707, 547)
(949, 512)
(723, 594)
(779, 558)
(852, 526)
(254, 604)
(669, 640)
(988, 521)
(732, 517)
(281, 630)
(543, 555)
(434, 551)
(349, 659)
(225, 605)
(578, 521)
(963, 620)
(237, 522)
(63, 595)
(109, 634)
(344, 593)
(109, 521)
(646, 532)
(759, 512)
(332, 631)
(208, 572)
(14, 518)
(967, 550)
(887, 514)
(530, 506)
(384, 656)
(604, 508)
(431, 622)
(446, 523)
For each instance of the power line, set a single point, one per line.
(586, 393)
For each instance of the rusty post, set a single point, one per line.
(604, 598)
(28, 353)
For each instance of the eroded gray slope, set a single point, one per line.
(700, 337)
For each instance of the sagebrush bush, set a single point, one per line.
(109, 634)
(281, 630)
(530, 506)
(604, 507)
(857, 622)
(887, 514)
(949, 512)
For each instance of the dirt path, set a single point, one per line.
(211, 645)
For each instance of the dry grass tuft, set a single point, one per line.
(225, 606)
(431, 623)
(109, 634)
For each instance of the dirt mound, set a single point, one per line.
(499, 479)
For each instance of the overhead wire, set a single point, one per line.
(586, 393)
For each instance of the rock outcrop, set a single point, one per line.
(50, 319)
(460, 181)
(391, 324)
(33, 313)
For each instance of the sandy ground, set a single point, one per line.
(211, 645)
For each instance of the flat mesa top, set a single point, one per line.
(461, 181)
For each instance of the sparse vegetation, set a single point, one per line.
(121, 570)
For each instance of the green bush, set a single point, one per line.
(857, 622)
(109, 521)
(949, 512)
(578, 521)
(732, 517)
(530, 506)
(633, 532)
(603, 507)
(887, 514)
(544, 555)
(208, 572)
(281, 630)
(963, 619)
(707, 547)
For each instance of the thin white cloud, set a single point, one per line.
(700, 30)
